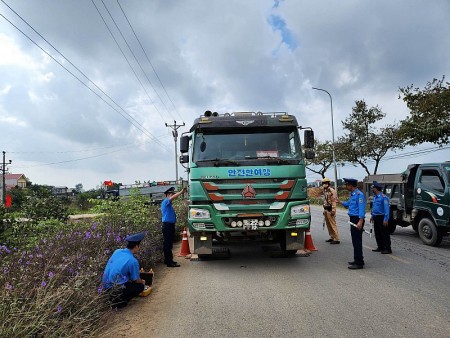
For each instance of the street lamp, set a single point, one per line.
(332, 135)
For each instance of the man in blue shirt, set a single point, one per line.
(121, 276)
(380, 219)
(356, 206)
(169, 219)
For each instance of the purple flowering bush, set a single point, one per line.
(53, 288)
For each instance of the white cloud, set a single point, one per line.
(5, 89)
(11, 55)
(216, 55)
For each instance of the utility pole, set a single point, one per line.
(3, 169)
(175, 128)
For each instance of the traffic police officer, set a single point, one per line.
(357, 211)
(329, 211)
(380, 219)
(169, 219)
(121, 276)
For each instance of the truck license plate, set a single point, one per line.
(250, 224)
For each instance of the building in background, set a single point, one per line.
(12, 181)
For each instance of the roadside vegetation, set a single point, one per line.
(51, 269)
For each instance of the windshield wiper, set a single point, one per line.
(278, 160)
(219, 161)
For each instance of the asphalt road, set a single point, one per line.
(256, 294)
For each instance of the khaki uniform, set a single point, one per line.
(329, 206)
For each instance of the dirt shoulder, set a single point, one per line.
(142, 316)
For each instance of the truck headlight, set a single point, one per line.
(199, 213)
(300, 210)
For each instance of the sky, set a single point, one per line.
(87, 87)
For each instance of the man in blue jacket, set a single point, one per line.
(121, 276)
(356, 206)
(169, 219)
(380, 219)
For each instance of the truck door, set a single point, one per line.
(430, 194)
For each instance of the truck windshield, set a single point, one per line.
(447, 171)
(244, 148)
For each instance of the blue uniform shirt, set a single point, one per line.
(381, 205)
(168, 214)
(121, 267)
(356, 204)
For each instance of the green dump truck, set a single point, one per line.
(247, 179)
(420, 196)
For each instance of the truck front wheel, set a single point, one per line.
(392, 225)
(429, 233)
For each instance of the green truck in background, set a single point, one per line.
(420, 196)
(247, 179)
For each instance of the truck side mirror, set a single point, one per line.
(184, 159)
(310, 154)
(184, 144)
(309, 139)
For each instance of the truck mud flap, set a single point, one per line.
(295, 239)
(203, 244)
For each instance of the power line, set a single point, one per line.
(412, 153)
(68, 161)
(135, 123)
(148, 59)
(67, 151)
(123, 53)
(404, 155)
(137, 61)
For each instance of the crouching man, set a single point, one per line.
(121, 277)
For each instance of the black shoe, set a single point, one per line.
(173, 265)
(355, 266)
(352, 263)
(335, 242)
(329, 240)
(384, 252)
(376, 250)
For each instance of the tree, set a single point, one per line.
(18, 196)
(365, 142)
(429, 119)
(79, 188)
(82, 199)
(41, 190)
(323, 159)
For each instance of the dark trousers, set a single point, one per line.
(168, 230)
(357, 241)
(382, 235)
(120, 295)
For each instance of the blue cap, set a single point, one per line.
(377, 185)
(135, 238)
(350, 180)
(170, 190)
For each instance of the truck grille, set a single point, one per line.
(247, 192)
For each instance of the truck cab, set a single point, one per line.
(246, 179)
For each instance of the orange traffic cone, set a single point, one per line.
(184, 251)
(309, 245)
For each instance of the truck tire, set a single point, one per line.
(429, 233)
(392, 225)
